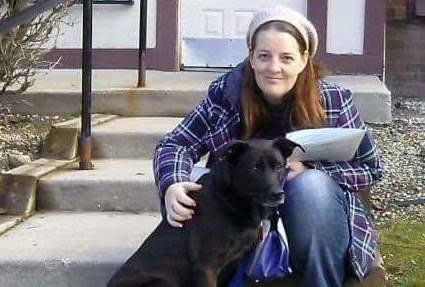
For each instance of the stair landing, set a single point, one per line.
(64, 249)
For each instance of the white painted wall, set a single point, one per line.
(345, 28)
(114, 26)
(225, 18)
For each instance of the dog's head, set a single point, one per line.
(257, 169)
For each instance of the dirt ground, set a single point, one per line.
(22, 136)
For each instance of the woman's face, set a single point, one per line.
(277, 62)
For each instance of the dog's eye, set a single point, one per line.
(258, 167)
(279, 166)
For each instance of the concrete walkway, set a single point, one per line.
(166, 93)
(70, 249)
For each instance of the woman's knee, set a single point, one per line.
(314, 189)
(315, 211)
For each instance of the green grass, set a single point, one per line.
(402, 244)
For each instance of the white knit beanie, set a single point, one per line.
(281, 13)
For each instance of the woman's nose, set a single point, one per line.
(274, 65)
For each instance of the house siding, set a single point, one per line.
(405, 50)
(166, 54)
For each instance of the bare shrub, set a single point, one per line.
(22, 49)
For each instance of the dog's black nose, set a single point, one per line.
(276, 197)
(277, 190)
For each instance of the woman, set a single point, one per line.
(277, 90)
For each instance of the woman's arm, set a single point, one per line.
(179, 150)
(365, 168)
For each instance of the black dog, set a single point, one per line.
(238, 193)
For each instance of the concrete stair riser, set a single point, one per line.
(375, 106)
(150, 103)
(125, 102)
(130, 137)
(166, 94)
(113, 185)
(98, 195)
(370, 95)
(123, 181)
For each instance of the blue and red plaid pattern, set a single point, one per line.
(216, 120)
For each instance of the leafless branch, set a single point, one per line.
(23, 49)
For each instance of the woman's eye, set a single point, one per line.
(287, 59)
(263, 56)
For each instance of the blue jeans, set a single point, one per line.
(315, 216)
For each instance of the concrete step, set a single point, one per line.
(63, 249)
(166, 93)
(133, 137)
(371, 96)
(115, 92)
(113, 185)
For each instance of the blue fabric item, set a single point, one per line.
(271, 259)
(239, 279)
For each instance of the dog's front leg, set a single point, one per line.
(205, 277)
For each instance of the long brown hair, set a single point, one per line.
(307, 110)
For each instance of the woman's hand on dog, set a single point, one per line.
(295, 168)
(178, 204)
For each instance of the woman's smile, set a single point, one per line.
(274, 79)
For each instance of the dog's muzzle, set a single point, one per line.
(276, 198)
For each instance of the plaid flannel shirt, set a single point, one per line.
(216, 121)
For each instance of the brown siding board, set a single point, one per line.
(372, 61)
(163, 57)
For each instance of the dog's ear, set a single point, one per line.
(285, 146)
(233, 150)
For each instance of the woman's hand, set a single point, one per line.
(295, 168)
(178, 204)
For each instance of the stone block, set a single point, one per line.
(18, 186)
(61, 143)
(17, 194)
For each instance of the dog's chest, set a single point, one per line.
(220, 231)
(215, 240)
(240, 244)
(226, 246)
